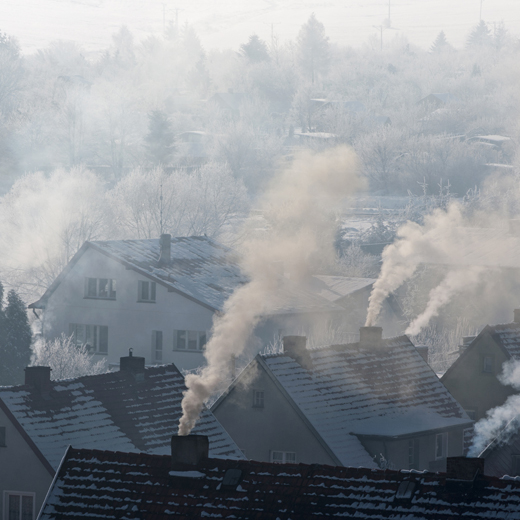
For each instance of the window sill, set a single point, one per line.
(98, 298)
(146, 301)
(99, 353)
(188, 351)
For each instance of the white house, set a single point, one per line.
(159, 296)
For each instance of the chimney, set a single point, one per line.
(516, 315)
(189, 449)
(132, 364)
(296, 347)
(165, 243)
(370, 336)
(464, 468)
(466, 342)
(423, 351)
(39, 378)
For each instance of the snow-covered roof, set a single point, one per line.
(110, 486)
(333, 288)
(200, 269)
(110, 411)
(353, 390)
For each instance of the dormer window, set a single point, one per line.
(146, 291)
(100, 288)
(488, 363)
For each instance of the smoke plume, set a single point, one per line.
(298, 207)
(503, 421)
(454, 282)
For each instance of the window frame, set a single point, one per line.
(202, 339)
(151, 291)
(111, 293)
(258, 399)
(413, 453)
(99, 334)
(488, 368)
(157, 346)
(285, 455)
(20, 494)
(444, 445)
(3, 436)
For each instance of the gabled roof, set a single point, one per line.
(333, 288)
(108, 485)
(201, 269)
(353, 391)
(110, 411)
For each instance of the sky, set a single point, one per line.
(229, 23)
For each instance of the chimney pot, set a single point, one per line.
(39, 378)
(464, 468)
(132, 364)
(165, 243)
(370, 336)
(516, 315)
(189, 449)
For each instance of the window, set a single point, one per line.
(515, 465)
(441, 445)
(2, 437)
(18, 506)
(95, 337)
(146, 291)
(258, 398)
(102, 288)
(413, 453)
(189, 340)
(487, 364)
(157, 346)
(283, 457)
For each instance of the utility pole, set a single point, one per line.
(164, 17)
(481, 9)
(380, 28)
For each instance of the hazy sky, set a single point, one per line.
(228, 23)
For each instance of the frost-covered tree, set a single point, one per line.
(440, 44)
(480, 36)
(159, 142)
(15, 349)
(11, 72)
(255, 50)
(313, 49)
(66, 359)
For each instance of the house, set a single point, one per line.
(472, 378)
(192, 147)
(439, 100)
(136, 409)
(159, 296)
(360, 404)
(502, 454)
(110, 486)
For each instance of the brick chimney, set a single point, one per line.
(516, 315)
(296, 347)
(464, 468)
(165, 243)
(189, 449)
(132, 364)
(370, 336)
(39, 378)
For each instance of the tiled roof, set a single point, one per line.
(107, 485)
(110, 411)
(201, 269)
(333, 288)
(508, 336)
(352, 389)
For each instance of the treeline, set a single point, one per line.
(249, 108)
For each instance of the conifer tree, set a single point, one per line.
(255, 50)
(440, 44)
(17, 338)
(159, 142)
(480, 36)
(313, 48)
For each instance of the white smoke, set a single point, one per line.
(503, 421)
(455, 282)
(298, 207)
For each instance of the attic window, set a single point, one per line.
(232, 479)
(19, 506)
(2, 437)
(488, 364)
(194, 340)
(258, 398)
(101, 288)
(146, 291)
(405, 489)
(283, 457)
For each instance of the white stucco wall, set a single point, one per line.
(130, 322)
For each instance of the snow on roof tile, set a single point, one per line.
(353, 390)
(108, 485)
(111, 411)
(333, 288)
(507, 335)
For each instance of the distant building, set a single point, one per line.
(360, 404)
(103, 484)
(133, 410)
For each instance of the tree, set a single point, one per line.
(440, 44)
(480, 36)
(255, 50)
(11, 72)
(17, 338)
(159, 140)
(66, 359)
(313, 48)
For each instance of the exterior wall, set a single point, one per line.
(130, 323)
(396, 451)
(21, 470)
(474, 389)
(276, 426)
